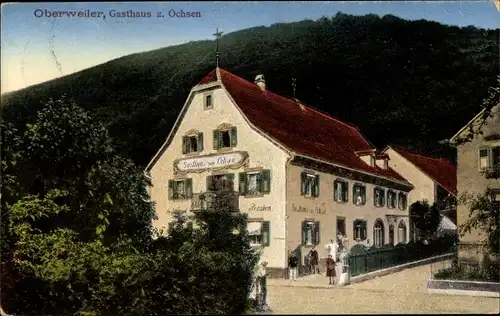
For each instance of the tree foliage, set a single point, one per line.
(78, 223)
(426, 218)
(415, 82)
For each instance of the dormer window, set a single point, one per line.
(192, 143)
(208, 102)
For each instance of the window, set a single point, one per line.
(359, 229)
(378, 233)
(340, 191)
(221, 182)
(379, 197)
(180, 189)
(255, 183)
(359, 194)
(258, 233)
(208, 101)
(402, 201)
(391, 199)
(192, 143)
(225, 138)
(402, 233)
(310, 233)
(309, 184)
(489, 157)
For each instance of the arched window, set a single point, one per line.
(402, 232)
(378, 233)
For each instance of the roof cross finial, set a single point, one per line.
(217, 34)
(294, 85)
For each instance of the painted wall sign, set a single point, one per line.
(259, 208)
(321, 209)
(233, 160)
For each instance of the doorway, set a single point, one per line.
(391, 234)
(340, 226)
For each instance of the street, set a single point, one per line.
(403, 292)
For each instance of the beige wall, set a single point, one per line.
(425, 187)
(328, 221)
(469, 178)
(262, 153)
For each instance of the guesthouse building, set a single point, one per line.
(301, 175)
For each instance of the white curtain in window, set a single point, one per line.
(309, 233)
(252, 182)
(402, 233)
(339, 191)
(254, 228)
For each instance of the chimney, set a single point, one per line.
(260, 81)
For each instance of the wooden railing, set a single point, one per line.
(223, 200)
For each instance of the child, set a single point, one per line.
(330, 269)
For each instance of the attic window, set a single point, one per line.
(208, 101)
(192, 143)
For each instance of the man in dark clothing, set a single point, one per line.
(293, 263)
(314, 260)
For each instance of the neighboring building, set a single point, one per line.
(474, 156)
(434, 180)
(301, 175)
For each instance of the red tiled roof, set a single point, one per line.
(441, 171)
(211, 77)
(302, 129)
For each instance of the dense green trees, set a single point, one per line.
(77, 235)
(411, 83)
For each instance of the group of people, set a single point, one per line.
(312, 260)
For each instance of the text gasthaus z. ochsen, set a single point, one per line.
(172, 13)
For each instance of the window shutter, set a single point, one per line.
(354, 230)
(216, 139)
(266, 233)
(304, 233)
(316, 186)
(363, 194)
(354, 194)
(383, 197)
(230, 178)
(200, 142)
(316, 233)
(189, 188)
(184, 144)
(210, 181)
(345, 192)
(266, 181)
(496, 155)
(303, 177)
(363, 230)
(242, 183)
(170, 189)
(234, 137)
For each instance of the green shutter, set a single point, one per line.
(184, 144)
(354, 194)
(210, 182)
(234, 137)
(303, 178)
(189, 188)
(170, 189)
(303, 233)
(266, 233)
(317, 233)
(363, 194)
(316, 186)
(200, 142)
(230, 178)
(216, 139)
(496, 155)
(242, 185)
(354, 229)
(266, 181)
(345, 192)
(383, 198)
(375, 196)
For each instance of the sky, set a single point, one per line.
(36, 46)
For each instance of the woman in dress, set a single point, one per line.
(330, 269)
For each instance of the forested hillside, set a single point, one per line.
(410, 83)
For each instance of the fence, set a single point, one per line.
(364, 260)
(452, 269)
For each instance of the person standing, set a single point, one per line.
(262, 285)
(332, 249)
(330, 270)
(314, 260)
(293, 263)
